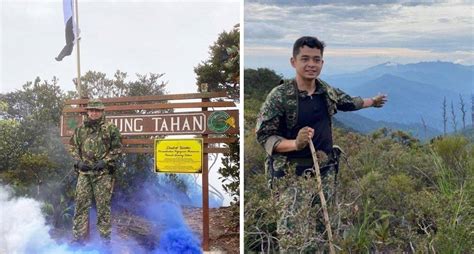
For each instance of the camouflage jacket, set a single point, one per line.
(92, 142)
(281, 108)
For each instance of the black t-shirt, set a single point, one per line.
(312, 112)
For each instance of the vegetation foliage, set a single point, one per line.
(395, 194)
(221, 72)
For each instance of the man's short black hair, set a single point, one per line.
(309, 41)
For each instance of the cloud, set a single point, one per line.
(333, 21)
(362, 52)
(352, 2)
(423, 28)
(265, 31)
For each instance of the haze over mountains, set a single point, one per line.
(416, 94)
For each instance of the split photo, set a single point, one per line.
(119, 126)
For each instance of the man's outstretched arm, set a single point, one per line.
(376, 101)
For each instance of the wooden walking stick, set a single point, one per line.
(323, 199)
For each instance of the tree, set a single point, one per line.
(40, 101)
(11, 147)
(259, 82)
(97, 85)
(453, 118)
(33, 114)
(445, 117)
(463, 111)
(222, 70)
(230, 171)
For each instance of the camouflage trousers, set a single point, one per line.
(300, 226)
(98, 187)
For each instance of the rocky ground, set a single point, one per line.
(223, 237)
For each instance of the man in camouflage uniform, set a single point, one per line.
(294, 113)
(96, 146)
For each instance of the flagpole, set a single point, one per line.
(78, 82)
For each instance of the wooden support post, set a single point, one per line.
(205, 193)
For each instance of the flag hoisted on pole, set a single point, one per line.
(71, 30)
(71, 21)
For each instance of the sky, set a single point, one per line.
(359, 34)
(170, 37)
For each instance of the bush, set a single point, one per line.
(394, 195)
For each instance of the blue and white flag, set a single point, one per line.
(71, 29)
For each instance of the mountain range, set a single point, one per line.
(416, 93)
(355, 122)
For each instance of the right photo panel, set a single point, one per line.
(358, 120)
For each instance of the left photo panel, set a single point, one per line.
(119, 126)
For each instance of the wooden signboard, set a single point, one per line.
(209, 122)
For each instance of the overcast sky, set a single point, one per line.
(359, 34)
(169, 37)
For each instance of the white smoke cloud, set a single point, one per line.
(23, 230)
(22, 226)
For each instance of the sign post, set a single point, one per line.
(205, 194)
(141, 119)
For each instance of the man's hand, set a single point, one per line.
(99, 165)
(82, 166)
(304, 136)
(379, 100)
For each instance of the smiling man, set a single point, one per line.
(294, 113)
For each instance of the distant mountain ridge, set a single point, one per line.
(416, 92)
(356, 122)
(459, 77)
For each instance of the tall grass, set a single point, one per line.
(394, 196)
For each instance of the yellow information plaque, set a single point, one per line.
(178, 155)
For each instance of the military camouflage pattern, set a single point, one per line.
(88, 187)
(94, 141)
(300, 226)
(281, 108)
(95, 104)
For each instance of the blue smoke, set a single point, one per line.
(178, 241)
(176, 236)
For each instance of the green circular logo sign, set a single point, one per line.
(219, 121)
(72, 123)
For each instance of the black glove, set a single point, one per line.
(100, 165)
(82, 166)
